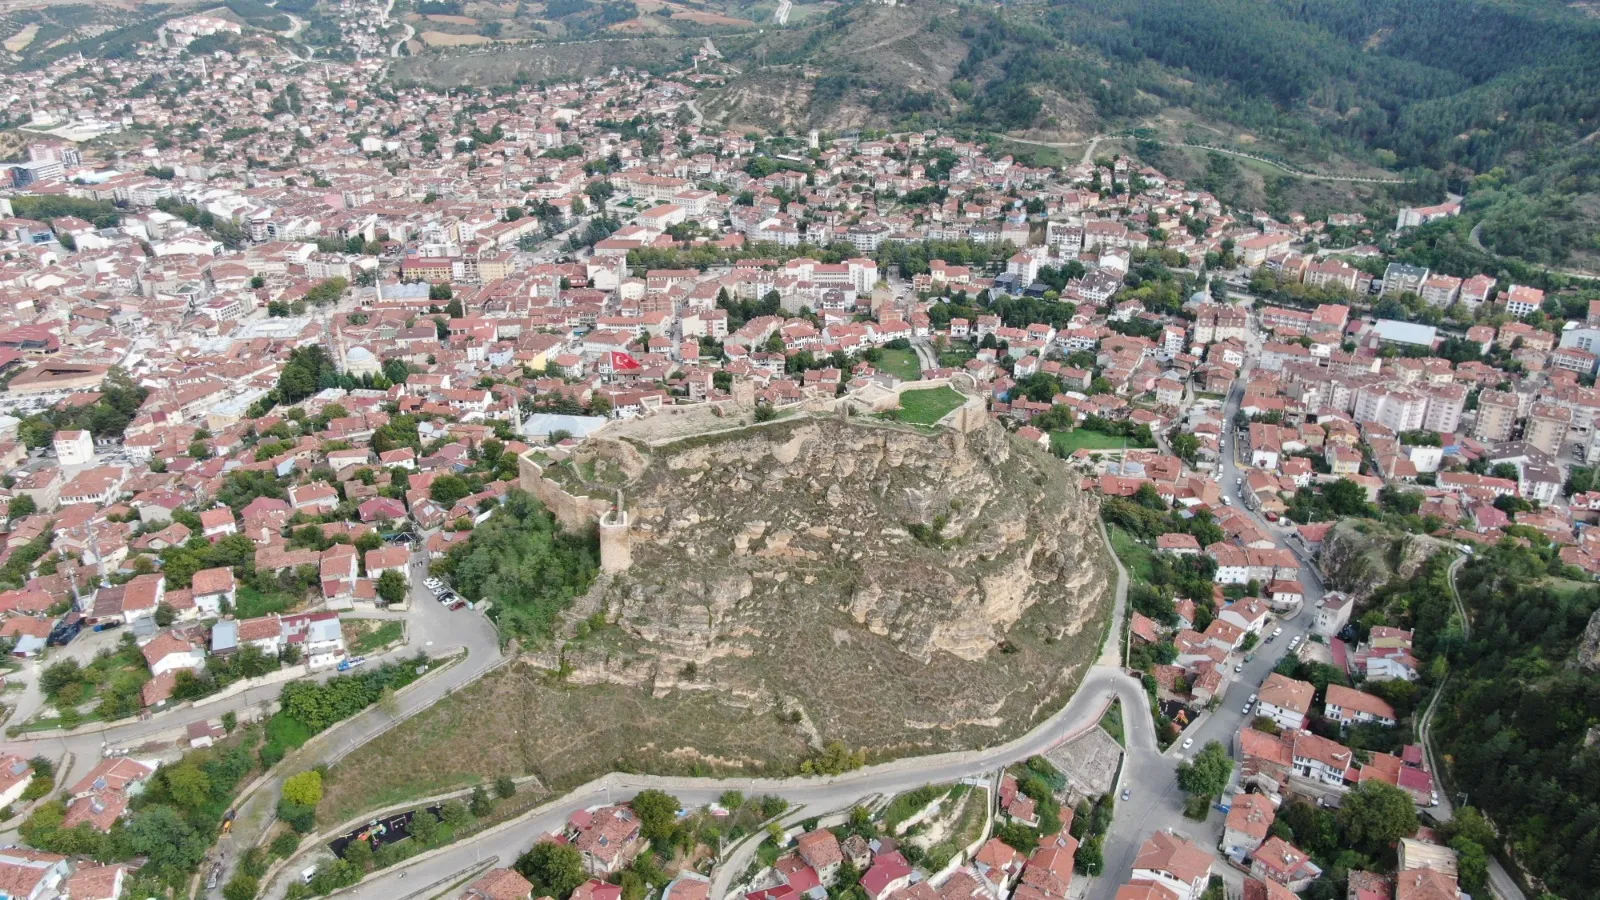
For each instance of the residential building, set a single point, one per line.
(1285, 701)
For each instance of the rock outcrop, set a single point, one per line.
(892, 587)
(1589, 645)
(1361, 555)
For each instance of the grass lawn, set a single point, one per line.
(1112, 722)
(928, 406)
(369, 635)
(956, 354)
(252, 603)
(1564, 586)
(902, 364)
(1134, 555)
(1066, 443)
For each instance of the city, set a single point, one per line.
(561, 489)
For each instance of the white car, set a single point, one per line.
(1251, 700)
(1246, 709)
(1188, 742)
(1277, 631)
(432, 582)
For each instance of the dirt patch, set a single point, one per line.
(20, 41)
(518, 721)
(452, 20)
(1090, 762)
(700, 16)
(441, 39)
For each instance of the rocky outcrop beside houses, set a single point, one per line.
(1361, 555)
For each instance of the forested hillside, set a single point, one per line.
(1519, 712)
(1496, 97)
(1433, 82)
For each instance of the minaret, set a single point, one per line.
(338, 345)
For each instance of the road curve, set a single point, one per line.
(1103, 682)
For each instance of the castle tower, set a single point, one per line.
(616, 547)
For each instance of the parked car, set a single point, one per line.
(1277, 631)
(1252, 699)
(457, 605)
(346, 665)
(432, 583)
(1188, 742)
(107, 626)
(1126, 793)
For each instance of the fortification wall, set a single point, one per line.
(574, 513)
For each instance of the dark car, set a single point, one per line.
(65, 630)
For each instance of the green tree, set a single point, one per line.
(657, 812)
(391, 587)
(1375, 814)
(1207, 774)
(241, 887)
(481, 804)
(21, 505)
(454, 814)
(1346, 498)
(447, 489)
(304, 789)
(505, 787)
(188, 785)
(424, 827)
(554, 869)
(358, 853)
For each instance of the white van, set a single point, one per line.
(308, 873)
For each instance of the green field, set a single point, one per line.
(926, 407)
(1065, 443)
(1135, 557)
(902, 364)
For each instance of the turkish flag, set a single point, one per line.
(624, 362)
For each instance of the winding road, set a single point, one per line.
(1500, 881)
(1104, 682)
(1475, 238)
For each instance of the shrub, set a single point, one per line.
(301, 818)
(284, 845)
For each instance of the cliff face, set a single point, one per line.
(1361, 555)
(1589, 644)
(888, 587)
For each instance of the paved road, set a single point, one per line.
(442, 633)
(1103, 682)
(1155, 802)
(1500, 881)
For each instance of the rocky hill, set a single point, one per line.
(890, 587)
(1361, 555)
